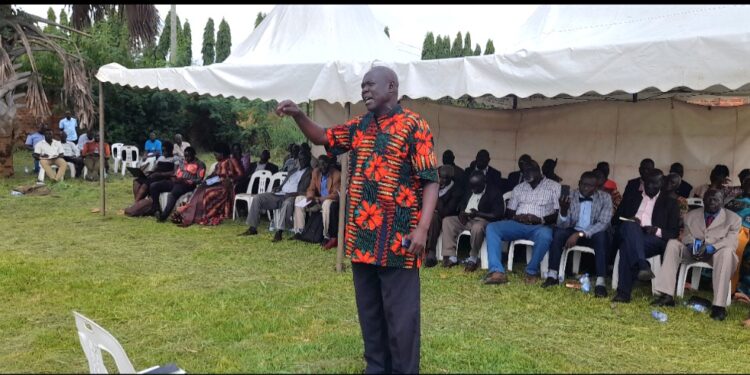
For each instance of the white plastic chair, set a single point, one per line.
(482, 251)
(695, 202)
(506, 197)
(94, 339)
(278, 176)
(116, 155)
(131, 158)
(543, 267)
(263, 177)
(71, 168)
(655, 262)
(180, 200)
(211, 169)
(577, 251)
(696, 278)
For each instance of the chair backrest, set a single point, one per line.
(263, 177)
(277, 179)
(116, 148)
(94, 339)
(506, 197)
(131, 153)
(210, 169)
(695, 202)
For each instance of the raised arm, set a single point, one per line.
(314, 132)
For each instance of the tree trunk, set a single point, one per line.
(7, 116)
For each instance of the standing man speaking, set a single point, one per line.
(392, 194)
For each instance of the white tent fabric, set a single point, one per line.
(599, 49)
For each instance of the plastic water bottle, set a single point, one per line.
(585, 283)
(16, 193)
(697, 307)
(660, 316)
(26, 170)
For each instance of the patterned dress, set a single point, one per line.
(741, 277)
(391, 158)
(210, 205)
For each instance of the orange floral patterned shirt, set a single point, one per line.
(391, 158)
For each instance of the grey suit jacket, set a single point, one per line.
(601, 212)
(723, 232)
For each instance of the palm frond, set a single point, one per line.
(36, 99)
(6, 66)
(76, 89)
(143, 23)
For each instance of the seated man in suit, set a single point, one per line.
(532, 211)
(481, 205)
(635, 186)
(449, 196)
(648, 221)
(482, 163)
(584, 218)
(516, 177)
(685, 188)
(711, 235)
(283, 197)
(322, 192)
(458, 173)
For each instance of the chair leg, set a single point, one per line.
(511, 251)
(439, 248)
(564, 263)
(483, 256)
(615, 273)
(681, 278)
(696, 278)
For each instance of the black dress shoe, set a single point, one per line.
(277, 236)
(663, 300)
(249, 232)
(645, 274)
(297, 236)
(718, 313)
(600, 291)
(447, 262)
(550, 281)
(431, 261)
(621, 297)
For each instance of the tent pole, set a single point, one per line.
(343, 201)
(101, 147)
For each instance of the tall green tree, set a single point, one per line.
(223, 41)
(387, 32)
(490, 48)
(208, 52)
(477, 50)
(467, 45)
(185, 46)
(457, 50)
(428, 47)
(445, 51)
(259, 18)
(64, 18)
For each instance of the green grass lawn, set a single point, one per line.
(215, 302)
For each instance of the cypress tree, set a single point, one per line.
(457, 49)
(223, 41)
(428, 47)
(490, 48)
(208, 51)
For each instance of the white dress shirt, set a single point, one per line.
(51, 150)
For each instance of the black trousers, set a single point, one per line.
(175, 189)
(599, 242)
(333, 221)
(635, 248)
(388, 307)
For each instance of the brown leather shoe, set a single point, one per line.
(531, 279)
(333, 242)
(496, 278)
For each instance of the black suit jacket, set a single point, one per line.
(491, 202)
(666, 215)
(632, 188)
(494, 177)
(514, 178)
(684, 189)
(447, 205)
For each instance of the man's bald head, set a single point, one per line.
(380, 90)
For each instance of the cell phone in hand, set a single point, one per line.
(564, 190)
(405, 242)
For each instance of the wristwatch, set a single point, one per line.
(581, 234)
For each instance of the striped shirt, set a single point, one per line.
(540, 202)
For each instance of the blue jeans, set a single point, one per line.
(510, 230)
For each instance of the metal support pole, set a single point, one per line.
(101, 148)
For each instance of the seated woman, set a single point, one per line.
(189, 174)
(141, 184)
(212, 201)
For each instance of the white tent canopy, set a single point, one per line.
(571, 50)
